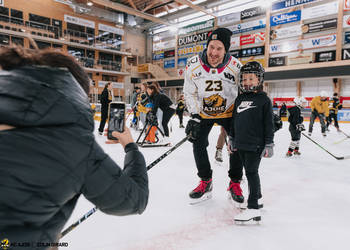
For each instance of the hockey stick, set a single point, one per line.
(336, 157)
(92, 211)
(337, 142)
(341, 131)
(167, 153)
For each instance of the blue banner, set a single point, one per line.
(344, 115)
(285, 18)
(289, 3)
(169, 64)
(158, 56)
(181, 62)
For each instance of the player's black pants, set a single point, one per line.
(333, 116)
(181, 116)
(201, 154)
(294, 133)
(312, 120)
(167, 114)
(104, 116)
(251, 161)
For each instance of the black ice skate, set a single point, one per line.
(202, 192)
(236, 192)
(289, 153)
(296, 152)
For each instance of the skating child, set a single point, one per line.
(296, 125)
(334, 106)
(252, 132)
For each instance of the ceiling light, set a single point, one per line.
(90, 3)
(199, 1)
(182, 7)
(161, 14)
(172, 10)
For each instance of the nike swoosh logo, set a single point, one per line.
(239, 110)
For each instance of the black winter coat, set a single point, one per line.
(294, 116)
(51, 157)
(252, 122)
(161, 101)
(104, 100)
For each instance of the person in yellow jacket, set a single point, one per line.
(320, 109)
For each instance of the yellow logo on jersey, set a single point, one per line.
(5, 244)
(214, 105)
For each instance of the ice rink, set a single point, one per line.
(306, 201)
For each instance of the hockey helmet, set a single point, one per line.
(323, 94)
(251, 68)
(300, 101)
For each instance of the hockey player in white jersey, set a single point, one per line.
(210, 90)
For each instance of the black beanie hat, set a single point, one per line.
(223, 35)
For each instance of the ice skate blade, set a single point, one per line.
(154, 145)
(257, 219)
(205, 197)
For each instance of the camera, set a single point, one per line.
(116, 121)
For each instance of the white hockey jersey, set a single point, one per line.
(211, 92)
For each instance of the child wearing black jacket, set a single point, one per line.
(252, 133)
(296, 125)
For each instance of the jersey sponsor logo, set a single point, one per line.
(192, 61)
(229, 76)
(236, 64)
(214, 105)
(196, 75)
(245, 106)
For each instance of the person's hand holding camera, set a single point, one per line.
(123, 138)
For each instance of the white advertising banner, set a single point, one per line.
(319, 11)
(164, 45)
(111, 29)
(79, 21)
(230, 18)
(282, 33)
(310, 43)
(346, 21)
(299, 58)
(235, 42)
(248, 26)
(116, 85)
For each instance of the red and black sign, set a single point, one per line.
(169, 53)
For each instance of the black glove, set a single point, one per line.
(340, 107)
(300, 127)
(193, 128)
(315, 112)
(152, 119)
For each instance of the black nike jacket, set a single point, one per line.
(252, 121)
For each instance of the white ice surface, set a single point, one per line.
(306, 202)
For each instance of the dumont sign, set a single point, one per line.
(193, 38)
